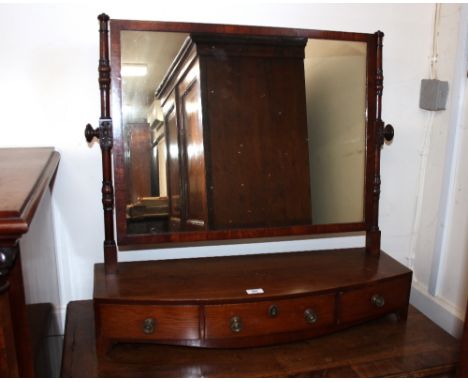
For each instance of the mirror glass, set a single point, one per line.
(246, 132)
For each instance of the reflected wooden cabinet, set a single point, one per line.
(235, 106)
(173, 163)
(139, 141)
(186, 166)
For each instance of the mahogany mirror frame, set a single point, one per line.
(110, 86)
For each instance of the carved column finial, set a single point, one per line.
(383, 133)
(103, 17)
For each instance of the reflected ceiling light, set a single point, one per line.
(134, 70)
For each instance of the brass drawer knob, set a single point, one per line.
(148, 325)
(310, 316)
(378, 300)
(235, 324)
(273, 311)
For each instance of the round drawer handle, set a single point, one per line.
(310, 316)
(235, 324)
(273, 311)
(148, 325)
(378, 300)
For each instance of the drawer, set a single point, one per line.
(149, 322)
(269, 317)
(375, 300)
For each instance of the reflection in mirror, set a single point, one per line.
(145, 57)
(244, 132)
(335, 76)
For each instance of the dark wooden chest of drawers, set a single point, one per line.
(245, 301)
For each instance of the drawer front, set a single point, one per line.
(374, 300)
(269, 317)
(149, 322)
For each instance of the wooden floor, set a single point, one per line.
(385, 347)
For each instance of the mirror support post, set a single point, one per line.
(104, 134)
(373, 232)
(106, 141)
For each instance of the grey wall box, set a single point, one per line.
(433, 95)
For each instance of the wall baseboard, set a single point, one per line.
(438, 311)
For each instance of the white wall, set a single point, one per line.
(48, 73)
(38, 259)
(440, 248)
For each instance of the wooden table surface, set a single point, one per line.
(384, 347)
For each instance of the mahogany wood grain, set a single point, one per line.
(40, 320)
(106, 143)
(173, 164)
(8, 360)
(256, 129)
(225, 279)
(357, 304)
(24, 175)
(375, 143)
(20, 320)
(336, 284)
(118, 25)
(218, 286)
(386, 347)
(128, 241)
(139, 143)
(193, 198)
(171, 322)
(242, 145)
(180, 239)
(256, 320)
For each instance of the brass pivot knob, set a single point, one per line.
(91, 133)
(235, 324)
(149, 325)
(273, 311)
(310, 316)
(378, 300)
(388, 133)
